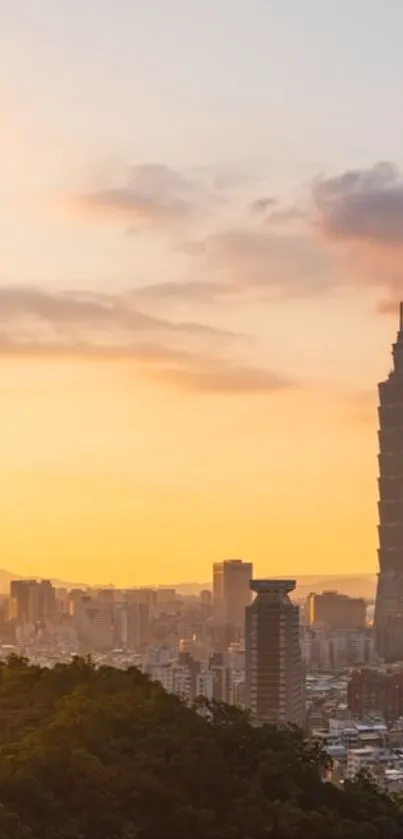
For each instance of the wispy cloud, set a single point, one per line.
(192, 356)
(348, 230)
(152, 195)
(155, 197)
(251, 263)
(218, 376)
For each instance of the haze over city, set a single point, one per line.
(202, 230)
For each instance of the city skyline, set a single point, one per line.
(202, 222)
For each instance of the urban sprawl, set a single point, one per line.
(332, 663)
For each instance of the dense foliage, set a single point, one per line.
(107, 754)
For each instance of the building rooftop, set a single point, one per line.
(272, 585)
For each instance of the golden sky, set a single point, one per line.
(108, 477)
(199, 279)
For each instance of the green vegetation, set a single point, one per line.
(107, 754)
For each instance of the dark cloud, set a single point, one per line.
(193, 356)
(364, 205)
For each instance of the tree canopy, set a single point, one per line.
(100, 753)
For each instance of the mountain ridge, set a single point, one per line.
(354, 585)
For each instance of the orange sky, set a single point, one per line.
(200, 266)
(108, 478)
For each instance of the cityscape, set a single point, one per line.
(201, 403)
(332, 664)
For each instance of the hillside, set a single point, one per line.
(107, 754)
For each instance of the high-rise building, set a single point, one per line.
(218, 593)
(231, 591)
(389, 597)
(32, 601)
(336, 611)
(132, 625)
(373, 692)
(221, 672)
(46, 607)
(95, 624)
(22, 601)
(273, 663)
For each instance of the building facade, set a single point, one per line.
(32, 602)
(336, 611)
(372, 692)
(231, 591)
(389, 597)
(274, 671)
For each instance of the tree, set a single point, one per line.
(89, 753)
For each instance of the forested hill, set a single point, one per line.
(91, 753)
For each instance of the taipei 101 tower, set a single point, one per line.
(389, 596)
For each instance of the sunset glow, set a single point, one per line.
(200, 265)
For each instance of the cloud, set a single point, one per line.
(192, 356)
(361, 211)
(261, 205)
(248, 264)
(259, 264)
(197, 291)
(226, 380)
(275, 214)
(364, 205)
(149, 196)
(89, 311)
(156, 197)
(218, 376)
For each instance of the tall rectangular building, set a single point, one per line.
(218, 593)
(22, 601)
(389, 596)
(32, 601)
(231, 591)
(275, 682)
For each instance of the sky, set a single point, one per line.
(201, 242)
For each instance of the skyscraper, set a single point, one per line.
(23, 601)
(231, 591)
(389, 596)
(32, 601)
(274, 669)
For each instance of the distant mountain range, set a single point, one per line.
(354, 585)
(7, 576)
